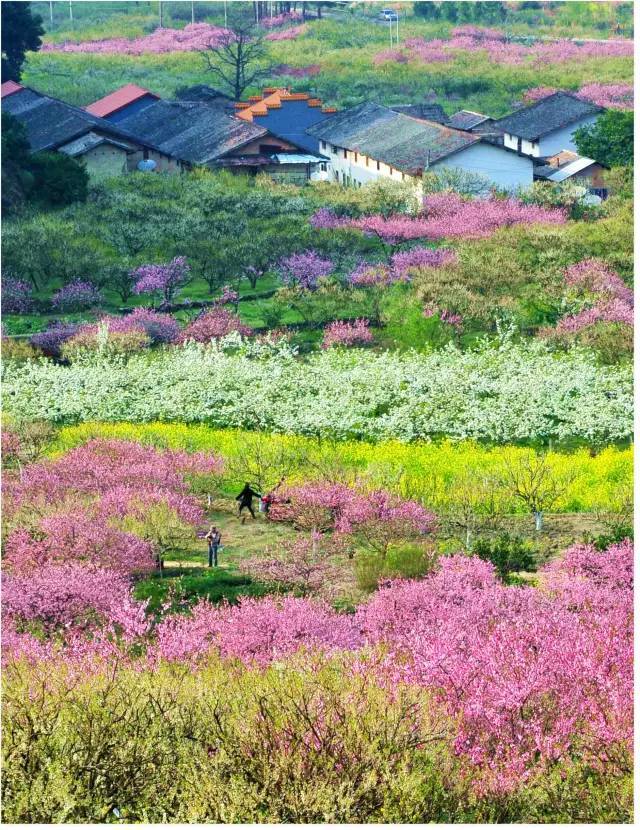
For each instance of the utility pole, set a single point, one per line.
(398, 29)
(70, 11)
(51, 12)
(390, 32)
(160, 11)
(225, 14)
(193, 13)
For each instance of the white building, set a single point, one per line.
(548, 126)
(369, 142)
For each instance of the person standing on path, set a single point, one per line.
(245, 499)
(213, 538)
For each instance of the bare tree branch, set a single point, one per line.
(237, 59)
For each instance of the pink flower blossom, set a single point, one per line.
(609, 299)
(162, 279)
(195, 37)
(212, 325)
(255, 631)
(446, 215)
(305, 269)
(280, 20)
(74, 595)
(76, 296)
(404, 262)
(367, 274)
(449, 318)
(609, 96)
(288, 34)
(346, 333)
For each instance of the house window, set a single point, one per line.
(270, 149)
(334, 149)
(337, 175)
(519, 145)
(323, 166)
(323, 144)
(145, 153)
(345, 154)
(355, 157)
(377, 165)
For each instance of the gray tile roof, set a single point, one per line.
(191, 131)
(406, 143)
(90, 140)
(205, 94)
(50, 123)
(547, 115)
(428, 112)
(466, 120)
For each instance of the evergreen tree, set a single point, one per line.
(610, 140)
(21, 32)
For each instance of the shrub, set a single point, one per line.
(99, 339)
(18, 350)
(403, 560)
(305, 270)
(321, 743)
(17, 296)
(212, 325)
(346, 333)
(78, 295)
(508, 554)
(51, 340)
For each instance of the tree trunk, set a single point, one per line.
(537, 514)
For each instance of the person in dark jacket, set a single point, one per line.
(245, 499)
(213, 537)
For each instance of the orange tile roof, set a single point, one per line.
(272, 98)
(117, 100)
(9, 87)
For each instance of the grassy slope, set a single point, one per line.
(343, 45)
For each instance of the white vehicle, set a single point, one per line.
(388, 14)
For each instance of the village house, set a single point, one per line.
(286, 114)
(202, 135)
(122, 103)
(104, 148)
(471, 121)
(568, 166)
(547, 126)
(369, 142)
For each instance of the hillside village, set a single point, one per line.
(294, 138)
(318, 396)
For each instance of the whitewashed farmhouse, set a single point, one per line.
(546, 127)
(369, 142)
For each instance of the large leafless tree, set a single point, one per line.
(239, 58)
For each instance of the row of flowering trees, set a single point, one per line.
(194, 37)
(529, 676)
(500, 49)
(502, 392)
(444, 216)
(79, 527)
